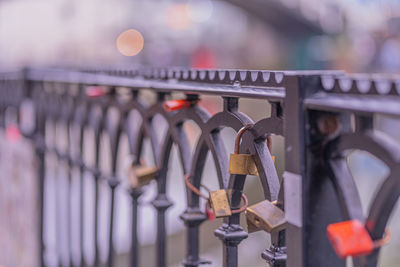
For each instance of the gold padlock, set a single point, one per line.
(142, 175)
(220, 204)
(242, 163)
(265, 216)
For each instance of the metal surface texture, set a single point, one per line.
(313, 111)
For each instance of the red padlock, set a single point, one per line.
(95, 91)
(351, 238)
(12, 133)
(209, 212)
(176, 104)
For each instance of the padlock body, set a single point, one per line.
(220, 204)
(142, 175)
(251, 228)
(242, 164)
(350, 238)
(265, 216)
(176, 104)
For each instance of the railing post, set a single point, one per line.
(161, 203)
(276, 255)
(192, 219)
(231, 235)
(305, 181)
(230, 232)
(294, 171)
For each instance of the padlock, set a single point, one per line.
(177, 104)
(220, 204)
(142, 175)
(242, 163)
(351, 238)
(95, 91)
(265, 216)
(209, 212)
(13, 133)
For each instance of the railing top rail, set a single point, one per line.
(264, 84)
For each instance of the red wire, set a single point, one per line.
(384, 240)
(244, 207)
(193, 188)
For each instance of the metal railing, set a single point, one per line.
(321, 115)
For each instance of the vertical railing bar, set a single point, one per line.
(113, 185)
(41, 173)
(96, 216)
(81, 165)
(161, 239)
(69, 190)
(58, 200)
(40, 154)
(96, 176)
(113, 182)
(79, 117)
(135, 193)
(278, 244)
(161, 203)
(69, 215)
(97, 125)
(135, 255)
(81, 197)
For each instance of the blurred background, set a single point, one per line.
(353, 35)
(350, 35)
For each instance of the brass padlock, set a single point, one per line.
(220, 204)
(242, 163)
(142, 175)
(265, 216)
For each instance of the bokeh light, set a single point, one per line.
(177, 17)
(130, 43)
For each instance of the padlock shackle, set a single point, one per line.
(239, 136)
(193, 188)
(197, 192)
(384, 240)
(244, 207)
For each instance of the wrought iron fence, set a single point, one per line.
(321, 115)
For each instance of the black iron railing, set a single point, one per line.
(321, 115)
